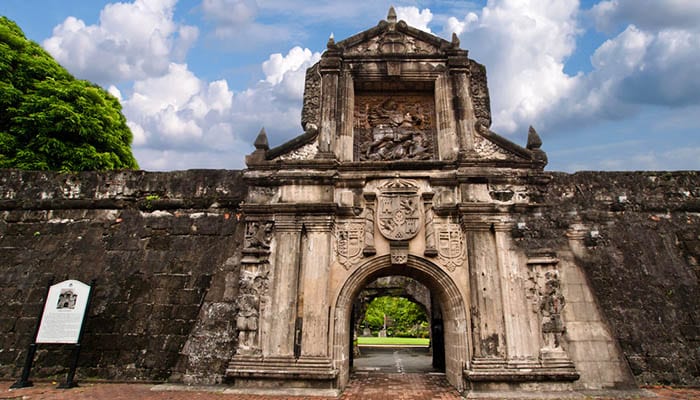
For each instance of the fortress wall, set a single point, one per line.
(153, 241)
(640, 255)
(163, 248)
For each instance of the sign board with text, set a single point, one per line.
(64, 312)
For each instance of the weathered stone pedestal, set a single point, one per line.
(276, 372)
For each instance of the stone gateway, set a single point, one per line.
(398, 174)
(531, 280)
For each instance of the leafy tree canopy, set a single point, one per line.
(51, 121)
(404, 317)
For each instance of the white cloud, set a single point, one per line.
(526, 44)
(647, 14)
(178, 115)
(131, 41)
(179, 110)
(416, 18)
(523, 45)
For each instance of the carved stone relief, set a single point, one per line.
(306, 152)
(551, 305)
(258, 235)
(394, 128)
(487, 149)
(392, 42)
(349, 239)
(547, 301)
(398, 215)
(311, 109)
(450, 245)
(253, 287)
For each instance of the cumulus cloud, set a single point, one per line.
(415, 17)
(525, 45)
(178, 110)
(181, 120)
(275, 102)
(131, 41)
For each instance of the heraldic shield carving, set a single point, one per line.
(398, 216)
(349, 238)
(450, 245)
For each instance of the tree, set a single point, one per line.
(406, 317)
(51, 121)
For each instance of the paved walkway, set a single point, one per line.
(363, 386)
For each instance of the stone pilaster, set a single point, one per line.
(487, 301)
(316, 261)
(279, 339)
(330, 70)
(463, 108)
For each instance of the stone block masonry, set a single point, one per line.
(636, 237)
(157, 243)
(165, 249)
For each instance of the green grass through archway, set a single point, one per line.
(392, 341)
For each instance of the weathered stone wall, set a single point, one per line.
(642, 248)
(155, 243)
(164, 249)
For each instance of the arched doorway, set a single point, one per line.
(448, 298)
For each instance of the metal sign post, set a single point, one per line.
(31, 351)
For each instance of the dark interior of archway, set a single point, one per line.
(397, 358)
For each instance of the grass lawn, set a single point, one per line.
(389, 341)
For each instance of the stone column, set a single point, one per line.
(279, 339)
(369, 249)
(463, 109)
(315, 263)
(430, 247)
(515, 306)
(448, 142)
(488, 329)
(346, 105)
(330, 70)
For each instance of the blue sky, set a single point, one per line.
(609, 85)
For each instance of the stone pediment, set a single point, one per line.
(400, 39)
(390, 37)
(394, 93)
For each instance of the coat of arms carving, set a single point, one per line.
(450, 245)
(349, 237)
(398, 216)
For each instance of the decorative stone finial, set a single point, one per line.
(391, 17)
(331, 40)
(533, 139)
(455, 40)
(261, 141)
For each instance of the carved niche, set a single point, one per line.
(397, 127)
(398, 214)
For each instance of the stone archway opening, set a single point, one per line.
(392, 321)
(449, 314)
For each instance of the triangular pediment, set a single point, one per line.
(393, 38)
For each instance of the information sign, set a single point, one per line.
(64, 312)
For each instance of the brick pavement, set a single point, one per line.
(372, 386)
